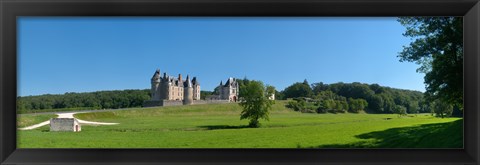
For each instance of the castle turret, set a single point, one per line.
(188, 92)
(155, 89)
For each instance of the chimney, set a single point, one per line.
(179, 78)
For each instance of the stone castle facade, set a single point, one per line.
(169, 91)
(228, 91)
(174, 88)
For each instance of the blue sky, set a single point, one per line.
(83, 54)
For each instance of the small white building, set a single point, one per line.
(272, 97)
(65, 124)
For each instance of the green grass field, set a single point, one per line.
(219, 126)
(24, 120)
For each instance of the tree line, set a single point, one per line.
(88, 100)
(355, 97)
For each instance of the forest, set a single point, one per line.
(356, 97)
(83, 101)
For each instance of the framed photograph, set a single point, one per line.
(239, 82)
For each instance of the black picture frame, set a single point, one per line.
(11, 9)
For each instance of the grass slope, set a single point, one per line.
(218, 126)
(25, 120)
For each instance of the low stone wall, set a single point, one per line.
(172, 102)
(150, 103)
(210, 101)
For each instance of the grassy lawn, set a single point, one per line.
(24, 120)
(219, 126)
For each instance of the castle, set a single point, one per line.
(229, 91)
(171, 88)
(167, 91)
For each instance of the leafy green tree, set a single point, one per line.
(376, 103)
(400, 110)
(319, 87)
(205, 94)
(270, 90)
(357, 105)
(438, 49)
(442, 109)
(298, 90)
(255, 103)
(279, 95)
(413, 107)
(297, 105)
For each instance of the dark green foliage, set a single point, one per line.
(204, 94)
(300, 104)
(298, 90)
(279, 95)
(373, 98)
(400, 110)
(438, 49)
(297, 105)
(442, 109)
(318, 87)
(254, 100)
(78, 101)
(357, 105)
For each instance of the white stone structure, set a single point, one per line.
(229, 91)
(272, 97)
(65, 124)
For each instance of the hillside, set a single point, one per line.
(218, 126)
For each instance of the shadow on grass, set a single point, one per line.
(215, 127)
(439, 135)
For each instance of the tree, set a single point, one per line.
(270, 91)
(319, 87)
(255, 103)
(438, 49)
(442, 109)
(400, 110)
(298, 90)
(205, 94)
(357, 105)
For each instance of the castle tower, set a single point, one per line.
(155, 89)
(165, 87)
(196, 89)
(188, 92)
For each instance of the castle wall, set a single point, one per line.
(196, 92)
(179, 102)
(210, 101)
(172, 102)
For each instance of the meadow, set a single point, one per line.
(219, 126)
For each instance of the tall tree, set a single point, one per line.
(254, 100)
(298, 90)
(438, 49)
